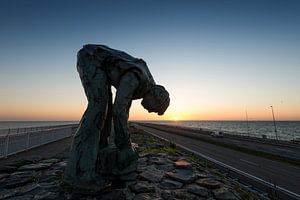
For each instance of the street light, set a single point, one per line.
(274, 122)
(247, 123)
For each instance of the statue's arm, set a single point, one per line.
(128, 85)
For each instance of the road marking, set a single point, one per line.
(245, 174)
(281, 149)
(249, 162)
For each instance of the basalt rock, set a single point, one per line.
(198, 190)
(184, 176)
(142, 187)
(209, 183)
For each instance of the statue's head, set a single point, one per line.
(156, 100)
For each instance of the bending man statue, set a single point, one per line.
(101, 67)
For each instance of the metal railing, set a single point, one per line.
(13, 143)
(30, 129)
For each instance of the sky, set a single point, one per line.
(217, 58)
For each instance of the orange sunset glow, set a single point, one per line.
(73, 112)
(214, 65)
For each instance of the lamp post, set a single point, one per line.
(274, 123)
(247, 123)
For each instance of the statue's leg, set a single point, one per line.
(106, 131)
(81, 167)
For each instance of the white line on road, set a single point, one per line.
(249, 162)
(281, 149)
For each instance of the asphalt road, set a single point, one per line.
(284, 175)
(290, 151)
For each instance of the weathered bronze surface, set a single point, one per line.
(92, 160)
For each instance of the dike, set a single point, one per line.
(164, 173)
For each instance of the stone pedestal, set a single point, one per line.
(117, 165)
(114, 168)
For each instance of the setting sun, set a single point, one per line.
(176, 118)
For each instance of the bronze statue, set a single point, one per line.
(101, 67)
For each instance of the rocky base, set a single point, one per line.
(162, 173)
(114, 163)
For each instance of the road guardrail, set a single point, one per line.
(14, 143)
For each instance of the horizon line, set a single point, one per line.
(150, 120)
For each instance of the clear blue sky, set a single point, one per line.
(217, 58)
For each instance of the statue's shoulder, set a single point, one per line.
(97, 46)
(105, 49)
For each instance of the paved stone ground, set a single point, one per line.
(163, 173)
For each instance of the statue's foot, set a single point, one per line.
(126, 157)
(115, 162)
